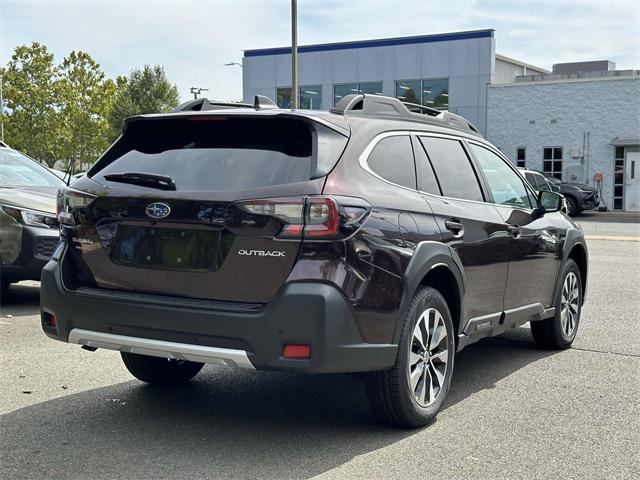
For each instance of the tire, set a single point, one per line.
(572, 206)
(160, 371)
(390, 392)
(559, 331)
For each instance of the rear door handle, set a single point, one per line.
(454, 226)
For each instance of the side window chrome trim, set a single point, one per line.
(364, 156)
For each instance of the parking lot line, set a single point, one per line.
(619, 238)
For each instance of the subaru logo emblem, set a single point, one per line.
(158, 210)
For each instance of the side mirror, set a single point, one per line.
(550, 201)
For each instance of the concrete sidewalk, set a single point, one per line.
(623, 226)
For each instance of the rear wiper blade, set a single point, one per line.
(161, 182)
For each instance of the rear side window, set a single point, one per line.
(453, 168)
(392, 159)
(214, 153)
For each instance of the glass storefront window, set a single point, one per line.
(283, 97)
(373, 88)
(435, 93)
(310, 97)
(340, 90)
(431, 92)
(409, 91)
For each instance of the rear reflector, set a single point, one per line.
(297, 351)
(49, 319)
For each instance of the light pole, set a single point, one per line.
(295, 94)
(195, 91)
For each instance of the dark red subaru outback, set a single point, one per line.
(379, 237)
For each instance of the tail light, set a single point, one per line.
(313, 217)
(297, 351)
(322, 218)
(69, 200)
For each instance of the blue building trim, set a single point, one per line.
(384, 42)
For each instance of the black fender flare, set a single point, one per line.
(573, 238)
(428, 256)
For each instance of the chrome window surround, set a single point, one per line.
(364, 156)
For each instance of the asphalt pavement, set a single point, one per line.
(513, 411)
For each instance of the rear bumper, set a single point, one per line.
(316, 314)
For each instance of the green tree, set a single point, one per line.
(85, 100)
(145, 90)
(30, 90)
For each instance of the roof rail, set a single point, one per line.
(367, 104)
(202, 104)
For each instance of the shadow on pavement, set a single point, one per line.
(226, 423)
(23, 299)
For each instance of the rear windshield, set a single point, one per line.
(214, 153)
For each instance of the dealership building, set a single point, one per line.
(580, 123)
(448, 71)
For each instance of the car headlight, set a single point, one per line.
(34, 218)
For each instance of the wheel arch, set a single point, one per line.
(575, 248)
(575, 201)
(578, 254)
(434, 264)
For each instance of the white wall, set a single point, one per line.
(468, 64)
(607, 108)
(506, 72)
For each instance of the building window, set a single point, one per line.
(340, 90)
(521, 156)
(431, 92)
(618, 179)
(552, 161)
(310, 97)
(283, 97)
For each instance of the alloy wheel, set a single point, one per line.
(569, 305)
(428, 357)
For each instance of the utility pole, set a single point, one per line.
(295, 91)
(195, 91)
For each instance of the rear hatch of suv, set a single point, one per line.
(206, 206)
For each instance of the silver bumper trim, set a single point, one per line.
(160, 348)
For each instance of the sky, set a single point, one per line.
(193, 39)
